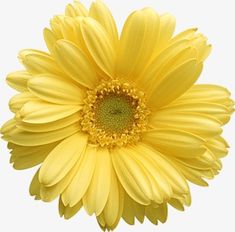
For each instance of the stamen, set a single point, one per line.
(115, 114)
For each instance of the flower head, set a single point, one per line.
(117, 123)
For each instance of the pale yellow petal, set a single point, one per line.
(78, 186)
(50, 39)
(185, 76)
(167, 169)
(132, 176)
(34, 188)
(100, 12)
(199, 124)
(62, 159)
(18, 101)
(155, 70)
(37, 62)
(161, 189)
(175, 142)
(111, 209)
(49, 193)
(75, 63)
(76, 9)
(51, 88)
(18, 80)
(38, 112)
(137, 42)
(55, 125)
(99, 45)
(210, 94)
(166, 31)
(218, 111)
(97, 194)
(26, 138)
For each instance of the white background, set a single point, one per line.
(21, 25)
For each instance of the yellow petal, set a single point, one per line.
(199, 124)
(76, 9)
(99, 45)
(208, 93)
(53, 89)
(100, 12)
(28, 161)
(37, 62)
(185, 76)
(167, 169)
(62, 159)
(111, 209)
(97, 194)
(50, 39)
(218, 146)
(34, 188)
(18, 101)
(175, 142)
(155, 70)
(55, 125)
(176, 204)
(78, 186)
(161, 189)
(25, 138)
(167, 28)
(75, 63)
(192, 175)
(137, 42)
(218, 111)
(132, 176)
(49, 193)
(18, 80)
(38, 112)
(128, 213)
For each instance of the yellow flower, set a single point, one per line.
(118, 124)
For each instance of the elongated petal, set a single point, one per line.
(99, 45)
(68, 211)
(132, 177)
(55, 125)
(195, 123)
(185, 75)
(97, 194)
(175, 142)
(61, 160)
(137, 42)
(26, 138)
(76, 9)
(81, 181)
(218, 111)
(50, 39)
(37, 62)
(100, 12)
(18, 80)
(53, 89)
(49, 193)
(167, 28)
(151, 75)
(75, 63)
(37, 112)
(208, 93)
(18, 101)
(111, 209)
(167, 169)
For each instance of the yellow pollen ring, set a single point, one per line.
(114, 114)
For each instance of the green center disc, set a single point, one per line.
(115, 113)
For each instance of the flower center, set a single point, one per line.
(114, 114)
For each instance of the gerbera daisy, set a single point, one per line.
(117, 123)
